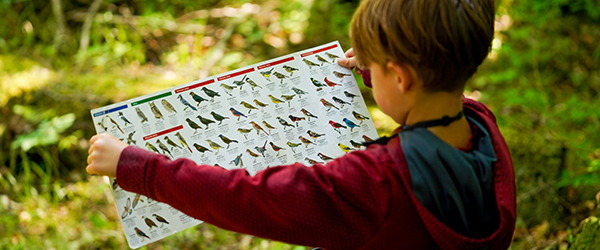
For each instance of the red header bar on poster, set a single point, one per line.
(148, 137)
(235, 74)
(275, 63)
(319, 50)
(177, 91)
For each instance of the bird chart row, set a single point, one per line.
(301, 107)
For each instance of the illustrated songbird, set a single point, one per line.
(262, 149)
(240, 83)
(267, 74)
(193, 125)
(182, 141)
(238, 161)
(288, 98)
(127, 209)
(274, 99)
(340, 101)
(293, 145)
(317, 83)
(168, 106)
(140, 233)
(236, 113)
(290, 69)
(155, 111)
(124, 118)
(276, 148)
(197, 98)
(160, 219)
(308, 114)
(114, 184)
(186, 103)
(345, 148)
(366, 138)
(115, 123)
(299, 92)
(260, 104)
(359, 117)
(141, 115)
(305, 141)
(252, 84)
(163, 147)
(350, 124)
(152, 148)
(340, 75)
(310, 64)
(171, 143)
(258, 128)
(248, 106)
(331, 56)
(244, 132)
(312, 162)
(228, 88)
(313, 134)
(355, 144)
(218, 117)
(336, 126)
(214, 145)
(321, 59)
(284, 123)
(205, 121)
(227, 140)
(268, 126)
(101, 123)
(210, 93)
(328, 105)
(350, 95)
(324, 157)
(201, 148)
(130, 139)
(296, 119)
(280, 76)
(330, 83)
(255, 155)
(149, 222)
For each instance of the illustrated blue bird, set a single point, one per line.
(124, 118)
(238, 161)
(236, 113)
(350, 124)
(186, 103)
(197, 98)
(140, 233)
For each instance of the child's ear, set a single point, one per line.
(402, 73)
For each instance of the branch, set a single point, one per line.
(87, 25)
(60, 23)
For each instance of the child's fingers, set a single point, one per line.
(350, 52)
(90, 169)
(94, 139)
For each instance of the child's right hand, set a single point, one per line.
(104, 154)
(349, 62)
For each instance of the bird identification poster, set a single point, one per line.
(302, 107)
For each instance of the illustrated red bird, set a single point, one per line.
(258, 128)
(366, 138)
(336, 126)
(330, 83)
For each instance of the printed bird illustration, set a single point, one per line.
(210, 93)
(367, 139)
(280, 76)
(160, 219)
(244, 132)
(331, 56)
(308, 114)
(101, 124)
(255, 155)
(305, 141)
(152, 148)
(236, 113)
(136, 199)
(238, 161)
(284, 123)
(240, 83)
(163, 147)
(149, 222)
(296, 119)
(276, 148)
(293, 145)
(299, 92)
(186, 103)
(268, 126)
(116, 124)
(141, 115)
(359, 117)
(350, 95)
(168, 106)
(313, 134)
(260, 104)
(182, 141)
(267, 74)
(355, 144)
(218, 117)
(197, 98)
(228, 88)
(127, 209)
(324, 157)
(214, 145)
(321, 59)
(248, 106)
(171, 143)
(340, 75)
(312, 162)
(155, 111)
(227, 140)
(345, 148)
(288, 98)
(130, 139)
(328, 105)
(262, 149)
(350, 124)
(274, 99)
(317, 83)
(252, 84)
(258, 128)
(336, 126)
(140, 233)
(124, 118)
(340, 101)
(330, 83)
(193, 125)
(310, 64)
(201, 148)
(114, 184)
(290, 69)
(205, 121)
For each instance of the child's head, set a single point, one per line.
(444, 41)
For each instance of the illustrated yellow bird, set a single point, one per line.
(321, 59)
(268, 126)
(182, 141)
(274, 99)
(288, 98)
(359, 116)
(248, 106)
(267, 74)
(244, 132)
(345, 148)
(260, 104)
(305, 141)
(255, 155)
(290, 69)
(228, 88)
(214, 145)
(293, 145)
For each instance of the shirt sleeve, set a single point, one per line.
(366, 76)
(340, 205)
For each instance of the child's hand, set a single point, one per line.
(104, 155)
(349, 62)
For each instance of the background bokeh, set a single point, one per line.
(61, 58)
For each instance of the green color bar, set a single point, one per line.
(150, 99)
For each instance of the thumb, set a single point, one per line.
(342, 62)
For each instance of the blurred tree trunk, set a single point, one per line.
(61, 25)
(87, 25)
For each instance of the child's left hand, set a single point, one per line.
(104, 154)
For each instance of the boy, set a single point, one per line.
(444, 180)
